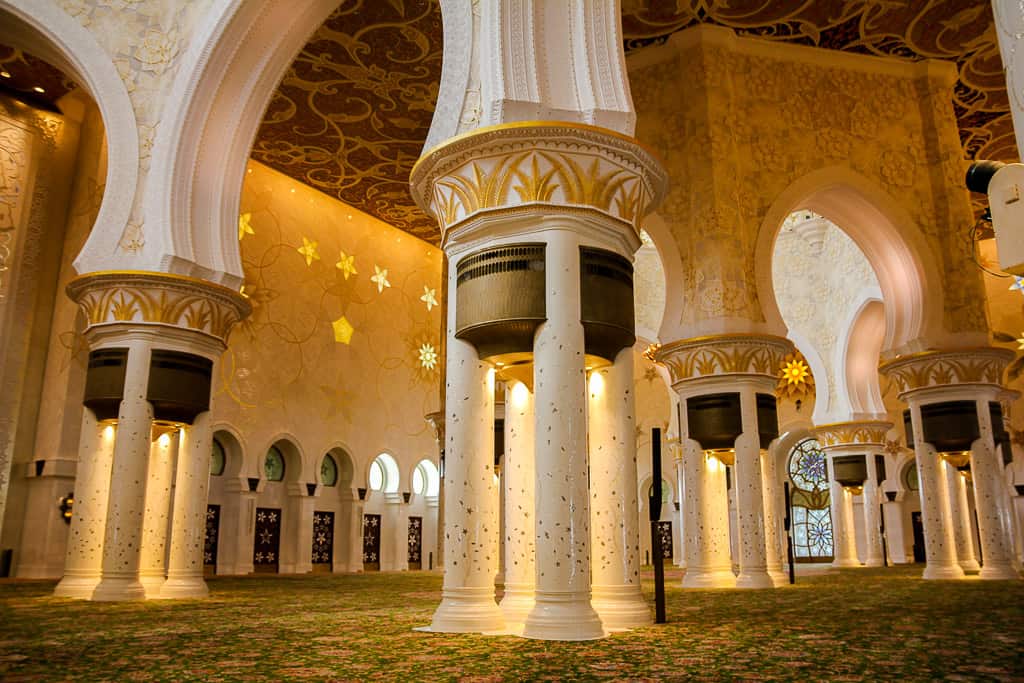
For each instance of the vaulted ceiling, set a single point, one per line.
(350, 116)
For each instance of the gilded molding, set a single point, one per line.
(867, 433)
(981, 365)
(531, 163)
(149, 298)
(727, 354)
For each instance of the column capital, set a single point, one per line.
(126, 298)
(689, 360)
(868, 433)
(952, 368)
(511, 168)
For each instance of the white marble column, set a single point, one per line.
(987, 476)
(84, 559)
(562, 608)
(936, 517)
(680, 516)
(355, 537)
(297, 531)
(614, 509)
(961, 514)
(772, 504)
(237, 527)
(708, 557)
(873, 556)
(470, 501)
(188, 518)
(518, 479)
(123, 535)
(156, 518)
(844, 539)
(400, 537)
(750, 499)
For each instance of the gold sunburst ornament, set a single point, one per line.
(795, 377)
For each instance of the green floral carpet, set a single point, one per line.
(856, 625)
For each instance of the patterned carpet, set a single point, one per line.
(856, 625)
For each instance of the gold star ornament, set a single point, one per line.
(245, 225)
(342, 330)
(309, 250)
(347, 265)
(795, 377)
(428, 356)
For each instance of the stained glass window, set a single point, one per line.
(812, 521)
(910, 477)
(217, 459)
(273, 466)
(328, 471)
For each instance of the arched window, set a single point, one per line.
(384, 474)
(218, 459)
(273, 465)
(328, 471)
(812, 521)
(910, 476)
(425, 479)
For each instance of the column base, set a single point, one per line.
(845, 564)
(874, 562)
(516, 605)
(971, 566)
(754, 580)
(999, 572)
(77, 587)
(115, 589)
(778, 577)
(562, 616)
(152, 585)
(620, 607)
(179, 588)
(722, 578)
(939, 572)
(467, 610)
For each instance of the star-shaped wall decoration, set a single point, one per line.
(245, 226)
(310, 250)
(429, 297)
(428, 356)
(347, 265)
(342, 330)
(380, 278)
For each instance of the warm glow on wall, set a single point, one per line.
(596, 383)
(520, 395)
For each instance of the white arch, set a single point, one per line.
(46, 31)
(432, 478)
(672, 266)
(861, 338)
(295, 466)
(217, 102)
(392, 475)
(234, 448)
(894, 245)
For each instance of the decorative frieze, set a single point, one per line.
(983, 365)
(739, 354)
(866, 433)
(148, 298)
(533, 163)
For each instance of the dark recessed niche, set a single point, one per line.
(179, 385)
(104, 382)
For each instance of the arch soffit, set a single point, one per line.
(672, 267)
(45, 30)
(234, 446)
(219, 98)
(295, 465)
(855, 353)
(893, 244)
(391, 468)
(412, 470)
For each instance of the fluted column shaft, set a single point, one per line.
(961, 512)
(470, 501)
(188, 522)
(156, 519)
(562, 609)
(615, 523)
(84, 558)
(123, 535)
(518, 479)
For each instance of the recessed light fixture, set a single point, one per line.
(5, 74)
(38, 90)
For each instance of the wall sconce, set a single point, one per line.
(66, 505)
(162, 428)
(958, 459)
(854, 490)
